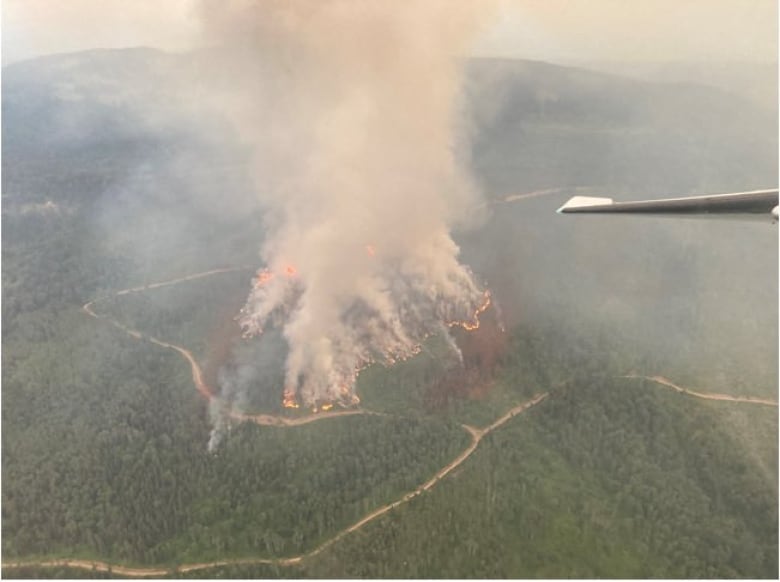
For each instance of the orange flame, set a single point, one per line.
(290, 271)
(474, 323)
(263, 276)
(289, 401)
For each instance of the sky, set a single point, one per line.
(550, 30)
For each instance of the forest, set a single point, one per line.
(105, 435)
(587, 493)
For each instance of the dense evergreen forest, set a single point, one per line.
(602, 485)
(607, 479)
(104, 435)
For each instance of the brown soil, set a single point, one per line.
(482, 349)
(220, 339)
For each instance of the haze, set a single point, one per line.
(551, 30)
(433, 374)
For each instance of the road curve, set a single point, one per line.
(477, 434)
(197, 373)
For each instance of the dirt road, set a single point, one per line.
(197, 372)
(270, 420)
(477, 434)
(182, 279)
(705, 395)
(88, 565)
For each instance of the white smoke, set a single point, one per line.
(352, 112)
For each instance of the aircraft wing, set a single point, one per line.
(754, 205)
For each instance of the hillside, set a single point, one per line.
(109, 184)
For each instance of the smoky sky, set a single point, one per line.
(642, 31)
(352, 112)
(302, 110)
(553, 30)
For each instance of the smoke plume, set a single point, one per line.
(351, 111)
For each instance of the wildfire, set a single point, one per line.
(289, 401)
(253, 316)
(474, 323)
(263, 276)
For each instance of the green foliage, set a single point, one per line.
(604, 479)
(273, 492)
(122, 473)
(56, 573)
(243, 571)
(402, 387)
(189, 314)
(105, 437)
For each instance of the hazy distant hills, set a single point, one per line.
(113, 131)
(754, 80)
(112, 178)
(114, 128)
(538, 120)
(86, 97)
(528, 121)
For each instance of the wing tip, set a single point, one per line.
(579, 203)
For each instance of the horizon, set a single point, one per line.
(692, 31)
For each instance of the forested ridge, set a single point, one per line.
(104, 435)
(570, 411)
(623, 500)
(607, 478)
(156, 502)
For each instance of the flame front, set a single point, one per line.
(474, 322)
(289, 400)
(263, 277)
(386, 323)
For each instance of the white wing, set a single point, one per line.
(755, 205)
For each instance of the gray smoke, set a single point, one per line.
(351, 110)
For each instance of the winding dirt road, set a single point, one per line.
(197, 372)
(141, 288)
(704, 395)
(477, 434)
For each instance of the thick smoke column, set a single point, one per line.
(351, 110)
